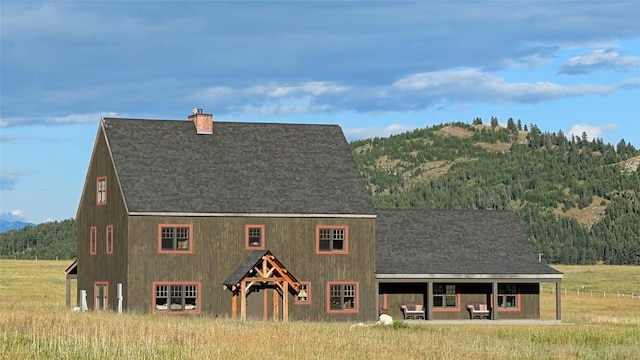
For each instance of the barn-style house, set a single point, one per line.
(273, 221)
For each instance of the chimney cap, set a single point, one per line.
(196, 111)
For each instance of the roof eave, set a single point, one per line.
(470, 277)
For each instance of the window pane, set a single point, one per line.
(438, 289)
(451, 301)
(338, 245)
(336, 303)
(437, 301)
(324, 245)
(303, 292)
(167, 244)
(255, 236)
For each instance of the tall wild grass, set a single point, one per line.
(34, 324)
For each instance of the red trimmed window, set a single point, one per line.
(101, 295)
(175, 238)
(304, 293)
(101, 191)
(176, 297)
(332, 239)
(342, 297)
(445, 297)
(508, 297)
(93, 240)
(254, 237)
(109, 239)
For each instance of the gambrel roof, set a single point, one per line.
(256, 168)
(436, 242)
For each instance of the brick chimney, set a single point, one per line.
(203, 122)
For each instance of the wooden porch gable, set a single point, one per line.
(260, 267)
(71, 273)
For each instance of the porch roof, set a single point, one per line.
(461, 244)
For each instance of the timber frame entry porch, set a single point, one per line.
(261, 267)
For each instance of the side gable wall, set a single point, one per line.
(102, 267)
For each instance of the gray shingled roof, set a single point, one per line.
(243, 269)
(420, 241)
(164, 166)
(252, 259)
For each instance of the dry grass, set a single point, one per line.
(455, 131)
(35, 325)
(587, 216)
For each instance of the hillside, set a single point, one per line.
(578, 200)
(52, 240)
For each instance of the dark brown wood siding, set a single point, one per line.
(219, 247)
(102, 267)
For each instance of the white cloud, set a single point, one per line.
(13, 215)
(469, 85)
(82, 118)
(596, 60)
(414, 92)
(371, 132)
(592, 131)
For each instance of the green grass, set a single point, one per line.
(35, 325)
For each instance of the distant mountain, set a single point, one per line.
(6, 225)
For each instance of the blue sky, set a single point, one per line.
(373, 67)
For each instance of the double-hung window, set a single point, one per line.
(101, 292)
(445, 296)
(342, 297)
(304, 293)
(332, 239)
(508, 296)
(175, 238)
(254, 237)
(101, 190)
(177, 297)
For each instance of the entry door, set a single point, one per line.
(255, 303)
(260, 303)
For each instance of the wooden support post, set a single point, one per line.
(558, 303)
(68, 292)
(276, 305)
(494, 296)
(243, 300)
(429, 302)
(285, 301)
(234, 305)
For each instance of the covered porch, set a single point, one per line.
(447, 297)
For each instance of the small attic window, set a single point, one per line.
(101, 190)
(254, 237)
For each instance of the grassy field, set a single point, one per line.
(34, 324)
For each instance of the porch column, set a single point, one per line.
(494, 297)
(377, 299)
(285, 302)
(234, 305)
(243, 300)
(558, 305)
(68, 292)
(429, 301)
